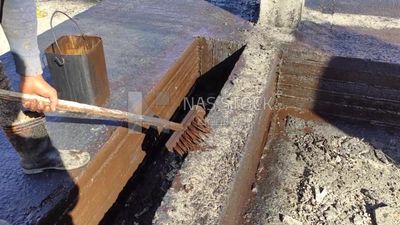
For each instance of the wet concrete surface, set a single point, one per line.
(369, 29)
(141, 40)
(381, 45)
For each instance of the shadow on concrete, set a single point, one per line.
(324, 72)
(378, 45)
(363, 110)
(361, 97)
(79, 120)
(247, 9)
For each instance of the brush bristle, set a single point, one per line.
(194, 134)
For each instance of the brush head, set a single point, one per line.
(195, 129)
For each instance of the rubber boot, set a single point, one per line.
(27, 133)
(31, 141)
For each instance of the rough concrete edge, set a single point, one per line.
(241, 188)
(198, 206)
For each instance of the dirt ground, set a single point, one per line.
(313, 172)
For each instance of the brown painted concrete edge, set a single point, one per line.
(241, 191)
(121, 155)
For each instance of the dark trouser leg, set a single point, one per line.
(27, 132)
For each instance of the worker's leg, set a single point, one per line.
(27, 133)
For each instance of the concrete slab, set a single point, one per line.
(142, 40)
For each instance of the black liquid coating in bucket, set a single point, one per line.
(79, 70)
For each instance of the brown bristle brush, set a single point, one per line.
(186, 138)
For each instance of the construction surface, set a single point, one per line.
(332, 151)
(210, 186)
(325, 167)
(150, 46)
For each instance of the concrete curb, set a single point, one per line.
(212, 186)
(255, 142)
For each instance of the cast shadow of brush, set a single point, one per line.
(92, 121)
(151, 137)
(80, 120)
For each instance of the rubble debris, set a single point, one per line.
(387, 215)
(290, 221)
(323, 175)
(320, 195)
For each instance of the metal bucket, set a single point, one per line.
(78, 68)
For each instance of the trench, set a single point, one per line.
(321, 99)
(144, 192)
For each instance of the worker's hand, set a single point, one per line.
(38, 86)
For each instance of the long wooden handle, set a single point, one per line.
(70, 106)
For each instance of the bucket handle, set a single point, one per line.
(60, 60)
